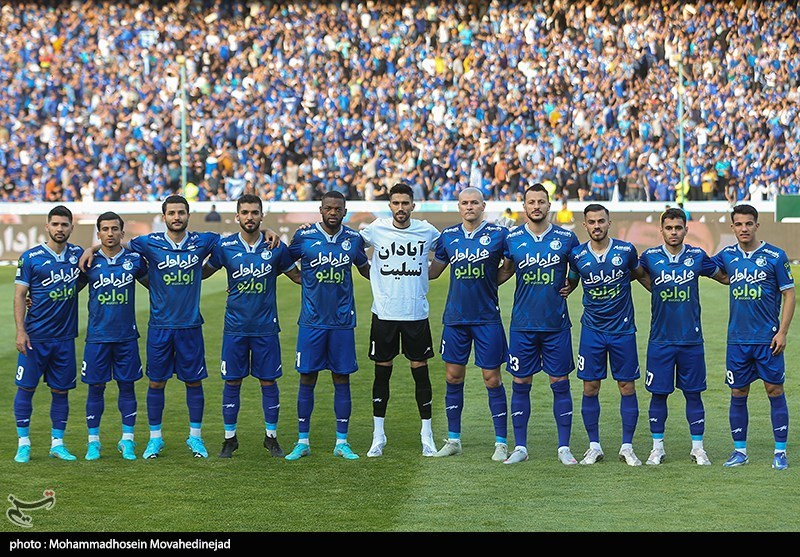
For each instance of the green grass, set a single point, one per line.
(401, 491)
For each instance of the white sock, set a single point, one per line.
(230, 433)
(56, 442)
(697, 444)
(155, 434)
(377, 424)
(195, 432)
(94, 438)
(658, 444)
(596, 446)
(24, 441)
(426, 427)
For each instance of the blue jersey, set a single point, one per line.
(53, 281)
(541, 264)
(174, 275)
(251, 308)
(675, 300)
(757, 280)
(606, 280)
(474, 258)
(112, 301)
(326, 264)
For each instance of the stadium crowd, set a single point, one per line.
(288, 100)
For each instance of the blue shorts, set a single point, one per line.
(104, 361)
(256, 356)
(319, 349)
(530, 352)
(597, 350)
(747, 362)
(178, 352)
(491, 348)
(53, 360)
(674, 365)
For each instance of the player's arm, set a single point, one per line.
(364, 270)
(208, 270)
(638, 273)
(570, 284)
(721, 276)
(505, 271)
(20, 295)
(778, 343)
(435, 269)
(294, 274)
(645, 281)
(272, 238)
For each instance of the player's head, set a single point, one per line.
(401, 203)
(673, 226)
(596, 221)
(332, 208)
(59, 224)
(110, 229)
(175, 211)
(249, 212)
(744, 222)
(537, 203)
(471, 205)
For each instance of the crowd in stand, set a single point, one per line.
(287, 100)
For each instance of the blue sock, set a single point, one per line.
(126, 403)
(155, 406)
(305, 407)
(270, 402)
(739, 420)
(95, 405)
(453, 405)
(498, 406)
(342, 407)
(590, 412)
(23, 407)
(520, 412)
(231, 400)
(562, 411)
(695, 415)
(779, 413)
(59, 411)
(195, 401)
(629, 411)
(658, 414)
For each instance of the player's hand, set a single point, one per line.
(23, 343)
(86, 260)
(28, 301)
(567, 289)
(272, 238)
(778, 344)
(305, 225)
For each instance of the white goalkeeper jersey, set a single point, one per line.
(399, 268)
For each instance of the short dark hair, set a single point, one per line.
(536, 187)
(59, 211)
(249, 198)
(593, 207)
(174, 198)
(333, 194)
(673, 213)
(745, 209)
(401, 188)
(110, 215)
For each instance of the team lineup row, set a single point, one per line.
(547, 261)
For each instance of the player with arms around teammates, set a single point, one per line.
(675, 350)
(540, 331)
(250, 340)
(399, 280)
(327, 252)
(474, 251)
(606, 266)
(46, 330)
(760, 282)
(111, 350)
(175, 343)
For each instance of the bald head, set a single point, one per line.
(471, 206)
